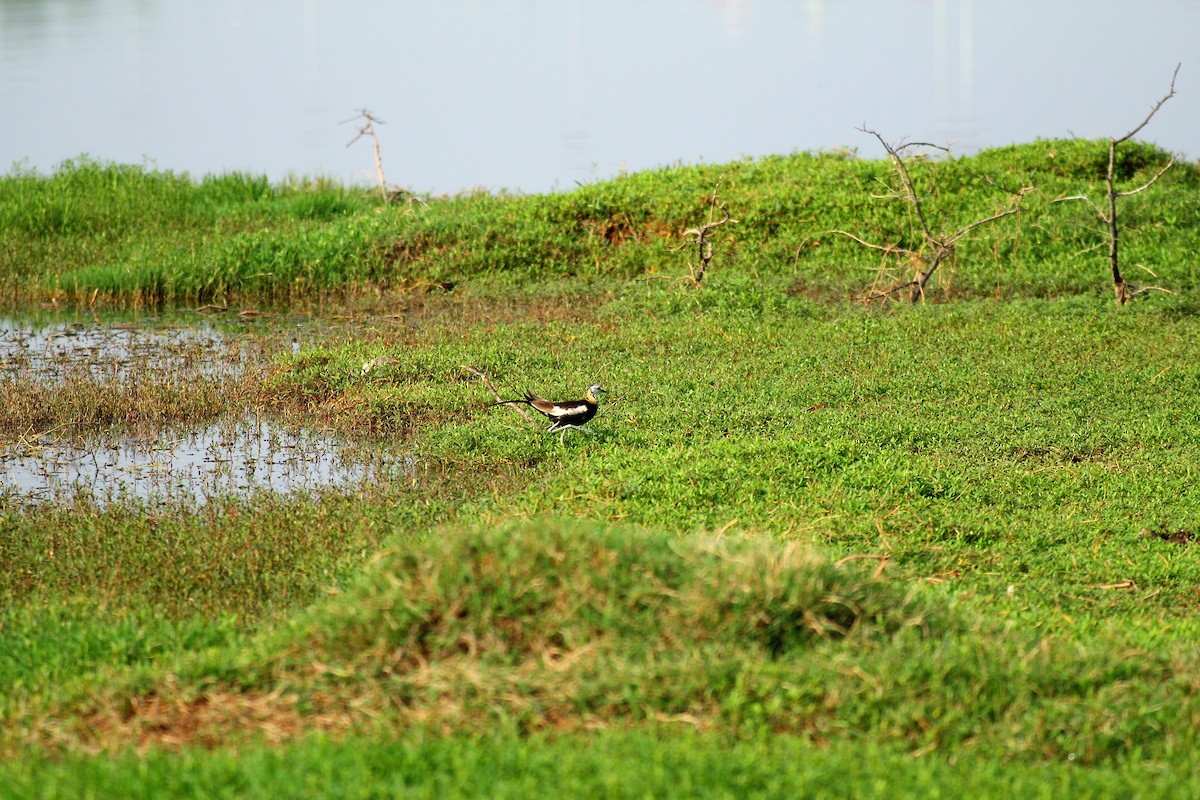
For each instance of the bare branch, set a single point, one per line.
(484, 378)
(941, 246)
(1170, 93)
(1121, 288)
(1138, 290)
(905, 179)
(367, 128)
(706, 227)
(1099, 212)
(883, 294)
(992, 182)
(1087, 250)
(887, 248)
(1016, 209)
(906, 145)
(944, 251)
(1150, 182)
(704, 247)
(883, 561)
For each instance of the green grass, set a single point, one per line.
(810, 548)
(1055, 437)
(617, 764)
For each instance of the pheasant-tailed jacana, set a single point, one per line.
(567, 415)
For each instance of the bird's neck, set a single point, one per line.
(591, 397)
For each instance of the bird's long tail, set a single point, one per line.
(527, 400)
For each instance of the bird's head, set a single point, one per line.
(594, 390)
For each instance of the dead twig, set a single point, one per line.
(1119, 585)
(887, 248)
(514, 406)
(883, 561)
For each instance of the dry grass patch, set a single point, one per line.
(174, 720)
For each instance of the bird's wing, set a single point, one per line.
(571, 408)
(547, 407)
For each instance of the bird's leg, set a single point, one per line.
(566, 426)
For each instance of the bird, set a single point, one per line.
(567, 415)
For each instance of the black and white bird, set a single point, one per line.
(567, 415)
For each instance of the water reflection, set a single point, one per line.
(954, 68)
(48, 352)
(231, 458)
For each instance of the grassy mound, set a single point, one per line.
(133, 236)
(569, 627)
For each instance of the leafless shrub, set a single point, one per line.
(700, 236)
(936, 247)
(366, 127)
(1107, 213)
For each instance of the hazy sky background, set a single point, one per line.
(541, 94)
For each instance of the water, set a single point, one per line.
(542, 94)
(188, 464)
(233, 458)
(48, 352)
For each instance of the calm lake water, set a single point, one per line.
(539, 95)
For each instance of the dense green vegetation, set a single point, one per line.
(811, 548)
(94, 231)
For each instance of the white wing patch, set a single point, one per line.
(568, 411)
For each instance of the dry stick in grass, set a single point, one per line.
(1124, 290)
(704, 248)
(883, 561)
(1120, 585)
(515, 407)
(942, 245)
